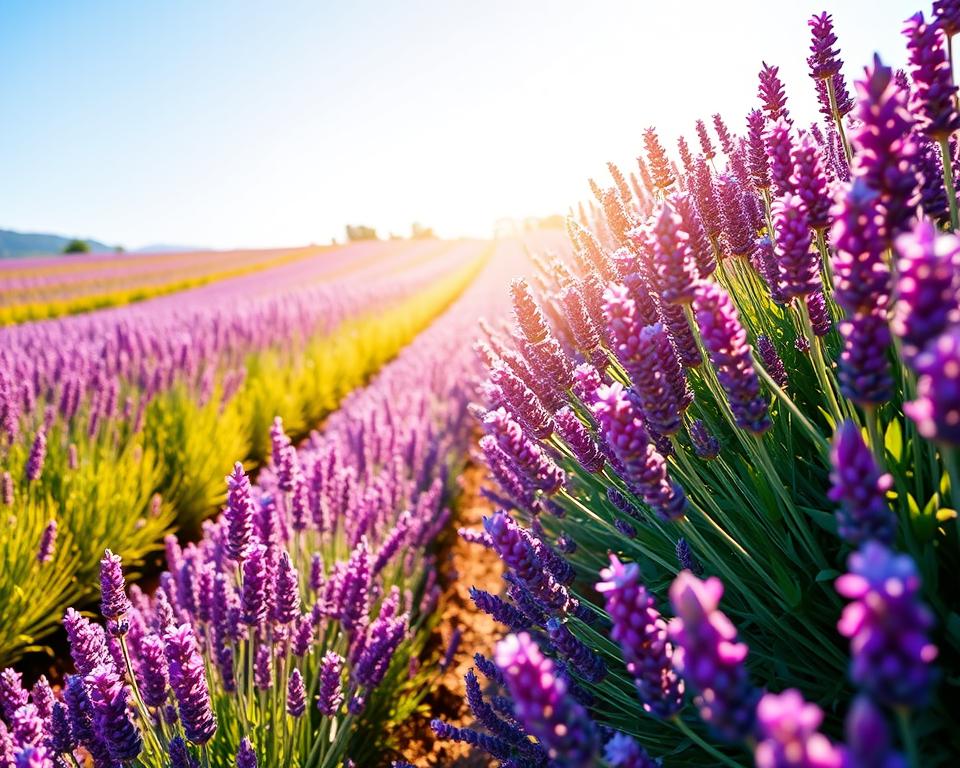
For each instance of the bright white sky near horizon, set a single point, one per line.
(228, 123)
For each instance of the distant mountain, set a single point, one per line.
(13, 244)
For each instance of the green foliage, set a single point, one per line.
(77, 246)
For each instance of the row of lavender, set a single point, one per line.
(290, 633)
(728, 432)
(117, 425)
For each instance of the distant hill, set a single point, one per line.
(13, 244)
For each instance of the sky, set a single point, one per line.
(239, 123)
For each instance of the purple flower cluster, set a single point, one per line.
(641, 632)
(934, 95)
(645, 468)
(888, 627)
(789, 736)
(726, 342)
(543, 704)
(859, 487)
(709, 657)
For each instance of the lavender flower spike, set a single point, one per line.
(799, 268)
(114, 604)
(623, 751)
(641, 632)
(672, 257)
(47, 542)
(38, 452)
(927, 287)
(860, 489)
(934, 91)
(189, 683)
(888, 627)
(788, 734)
(936, 411)
(705, 445)
(246, 757)
(543, 705)
(239, 514)
(726, 342)
(709, 657)
(645, 468)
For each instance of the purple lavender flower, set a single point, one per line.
(623, 751)
(246, 757)
(779, 142)
(239, 514)
(927, 287)
(524, 405)
(723, 133)
(180, 756)
(588, 663)
(771, 93)
(581, 326)
(706, 145)
(824, 59)
(868, 737)
(864, 370)
(189, 684)
(934, 94)
(820, 319)
(542, 703)
(529, 316)
(579, 440)
(330, 697)
(88, 643)
(705, 445)
(152, 677)
(286, 592)
(528, 562)
(686, 156)
(726, 342)
(690, 222)
(810, 182)
(114, 604)
(38, 452)
(253, 596)
(737, 229)
(47, 542)
(686, 559)
(799, 267)
(936, 411)
(706, 198)
(947, 15)
(62, 738)
(771, 361)
(296, 694)
(529, 458)
(6, 481)
(764, 261)
(788, 735)
(641, 632)
(757, 160)
(108, 696)
(885, 151)
(661, 173)
(640, 350)
(860, 274)
(859, 487)
(888, 627)
(645, 468)
(672, 257)
(496, 747)
(709, 658)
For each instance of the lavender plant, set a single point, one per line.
(793, 442)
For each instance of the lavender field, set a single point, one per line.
(671, 479)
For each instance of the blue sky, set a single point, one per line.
(228, 123)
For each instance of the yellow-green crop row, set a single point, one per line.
(126, 490)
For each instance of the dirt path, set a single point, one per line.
(464, 565)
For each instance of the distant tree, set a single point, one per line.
(420, 232)
(360, 232)
(77, 246)
(119, 249)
